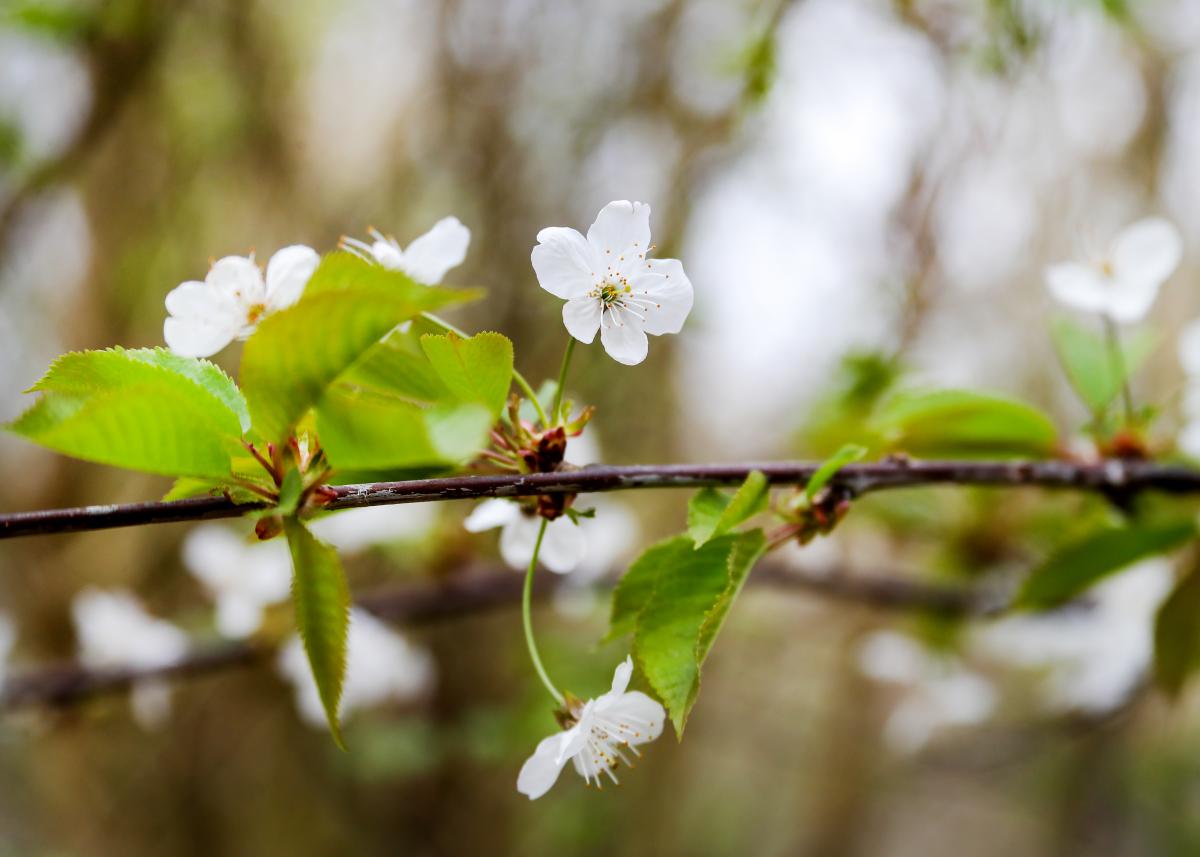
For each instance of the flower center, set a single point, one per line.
(612, 295)
(255, 312)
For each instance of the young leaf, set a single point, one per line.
(963, 423)
(1073, 568)
(137, 410)
(208, 375)
(675, 598)
(1089, 365)
(712, 514)
(1177, 635)
(478, 369)
(849, 453)
(296, 354)
(322, 602)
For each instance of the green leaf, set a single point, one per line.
(142, 410)
(208, 375)
(711, 513)
(1090, 366)
(1177, 635)
(478, 369)
(347, 308)
(849, 453)
(963, 423)
(322, 602)
(674, 599)
(1076, 566)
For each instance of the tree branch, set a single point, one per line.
(66, 684)
(1115, 478)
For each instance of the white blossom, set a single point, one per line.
(563, 546)
(381, 665)
(1189, 358)
(1091, 654)
(355, 530)
(939, 692)
(206, 316)
(114, 630)
(243, 576)
(610, 285)
(603, 729)
(1123, 282)
(426, 259)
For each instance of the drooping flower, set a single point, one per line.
(610, 285)
(206, 316)
(426, 259)
(381, 666)
(601, 730)
(114, 630)
(242, 576)
(563, 546)
(1123, 282)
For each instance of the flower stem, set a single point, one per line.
(526, 598)
(562, 377)
(517, 376)
(1117, 358)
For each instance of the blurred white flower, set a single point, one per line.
(242, 576)
(601, 728)
(381, 665)
(8, 638)
(1093, 654)
(563, 546)
(1123, 283)
(609, 537)
(609, 284)
(426, 259)
(206, 316)
(939, 692)
(355, 530)
(113, 631)
(1189, 357)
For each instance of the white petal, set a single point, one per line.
(563, 546)
(664, 298)
(428, 258)
(517, 540)
(195, 299)
(541, 770)
(1147, 252)
(1189, 348)
(151, 703)
(388, 254)
(634, 709)
(194, 337)
(1189, 440)
(1130, 301)
(288, 273)
(238, 617)
(238, 278)
(565, 263)
(212, 553)
(621, 228)
(622, 674)
(1078, 286)
(623, 337)
(581, 315)
(491, 514)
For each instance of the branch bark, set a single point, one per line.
(1117, 479)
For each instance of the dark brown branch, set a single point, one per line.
(66, 684)
(1114, 478)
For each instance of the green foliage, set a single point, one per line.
(322, 601)
(1081, 563)
(674, 599)
(963, 423)
(1090, 366)
(476, 369)
(848, 454)
(713, 513)
(144, 410)
(296, 354)
(1177, 635)
(840, 416)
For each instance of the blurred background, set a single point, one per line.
(859, 189)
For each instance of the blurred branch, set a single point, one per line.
(1117, 479)
(67, 684)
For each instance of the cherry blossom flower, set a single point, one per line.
(608, 283)
(1122, 283)
(242, 576)
(114, 630)
(426, 259)
(939, 692)
(601, 729)
(381, 665)
(206, 316)
(563, 546)
(1189, 357)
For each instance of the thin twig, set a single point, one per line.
(1112, 477)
